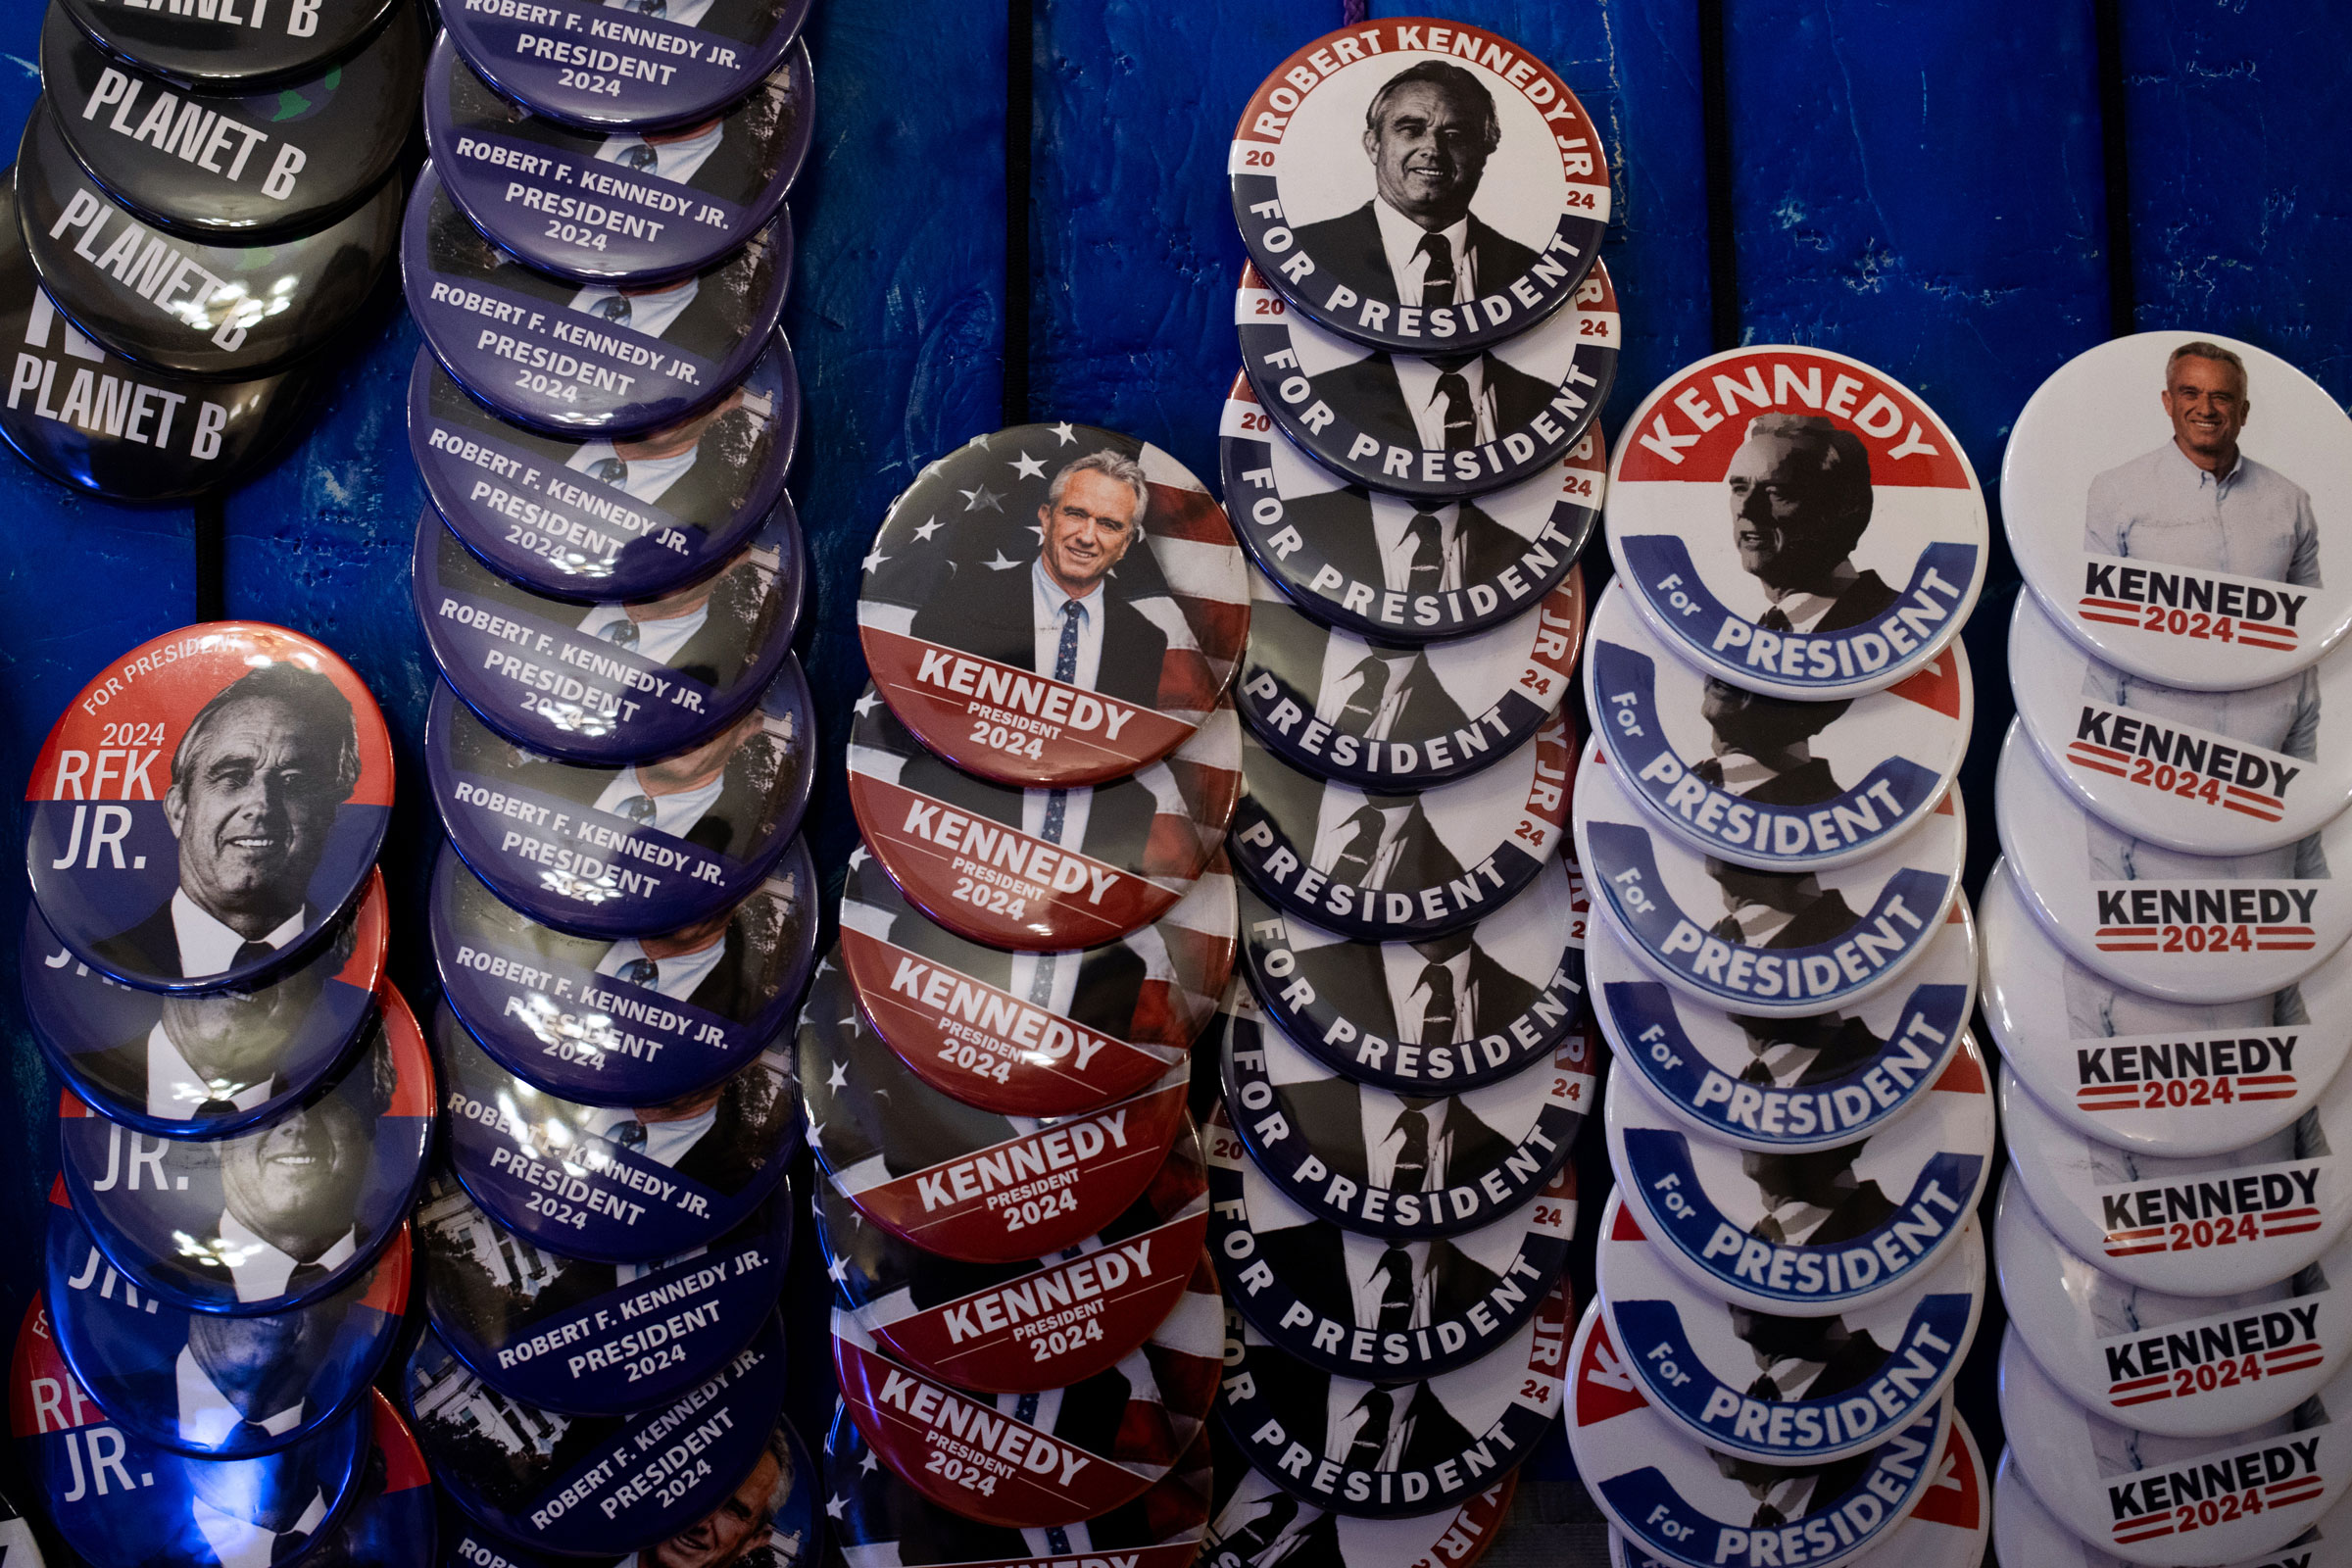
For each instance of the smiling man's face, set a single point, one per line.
(1429, 152)
(2206, 400)
(252, 810)
(295, 1184)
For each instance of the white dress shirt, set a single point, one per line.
(666, 1142)
(674, 813)
(175, 1089)
(648, 478)
(657, 640)
(1401, 969)
(675, 976)
(1418, 380)
(205, 1415)
(242, 1543)
(1401, 240)
(685, 12)
(1342, 675)
(650, 312)
(1384, 1138)
(260, 1270)
(2252, 521)
(1391, 530)
(207, 947)
(675, 161)
(1046, 599)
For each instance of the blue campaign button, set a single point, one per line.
(622, 1184)
(626, 68)
(391, 1523)
(586, 359)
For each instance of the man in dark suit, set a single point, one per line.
(1804, 1357)
(1118, 816)
(1435, 548)
(219, 1052)
(1367, 690)
(1421, 1143)
(1783, 1493)
(740, 1530)
(1805, 1053)
(1362, 840)
(732, 156)
(1450, 989)
(1814, 1198)
(1778, 909)
(708, 631)
(731, 1128)
(251, 1373)
(1401, 1291)
(1362, 1427)
(1284, 1532)
(256, 1511)
(290, 1195)
(1799, 488)
(1448, 403)
(1111, 977)
(1763, 747)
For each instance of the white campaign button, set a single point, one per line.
(2205, 1225)
(2208, 772)
(2123, 529)
(1814, 1232)
(2138, 1071)
(2174, 1502)
(1766, 781)
(1774, 944)
(2022, 1532)
(2182, 927)
(2185, 1365)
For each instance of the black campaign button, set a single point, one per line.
(272, 1219)
(596, 358)
(229, 166)
(242, 47)
(215, 1062)
(1432, 424)
(618, 207)
(1258, 1525)
(650, 66)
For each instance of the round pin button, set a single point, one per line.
(1047, 1034)
(655, 845)
(2204, 1225)
(2166, 530)
(595, 1339)
(1259, 1525)
(1040, 870)
(161, 1510)
(391, 1523)
(208, 1385)
(1437, 1016)
(643, 1020)
(1014, 627)
(1386, 715)
(1827, 544)
(1790, 1390)
(1785, 943)
(1378, 1307)
(232, 50)
(1400, 1166)
(657, 67)
(2204, 772)
(2179, 1365)
(615, 682)
(2024, 1531)
(1769, 782)
(211, 1063)
(1403, 864)
(274, 1217)
(2194, 928)
(1433, 425)
(17, 1538)
(1394, 569)
(622, 1184)
(1771, 1084)
(586, 359)
(600, 521)
(964, 1183)
(140, 858)
(1038, 1324)
(1808, 1233)
(278, 163)
(2138, 1072)
(624, 206)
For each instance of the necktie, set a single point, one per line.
(1461, 419)
(1066, 669)
(250, 1437)
(288, 1546)
(1396, 1297)
(304, 1277)
(1773, 620)
(1765, 1388)
(636, 808)
(1426, 573)
(1768, 1518)
(608, 470)
(1373, 1435)
(1354, 863)
(250, 952)
(641, 972)
(1438, 1015)
(1253, 1543)
(1756, 1072)
(640, 157)
(1769, 1229)
(653, 8)
(628, 1134)
(1358, 715)
(615, 310)
(1437, 283)
(216, 1108)
(1411, 1174)
(622, 633)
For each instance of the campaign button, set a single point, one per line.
(1829, 543)
(592, 519)
(594, 1339)
(1044, 1034)
(2204, 772)
(221, 162)
(1259, 1525)
(618, 205)
(1041, 1323)
(1435, 1017)
(618, 681)
(1680, 1504)
(618, 1184)
(229, 49)
(1365, 1306)
(120, 1502)
(2202, 1225)
(391, 1523)
(1381, 1449)
(148, 859)
(2140, 1498)
(1040, 870)
(591, 1486)
(1787, 943)
(1771, 782)
(205, 1383)
(1395, 569)
(2142, 1074)
(1770, 1084)
(215, 1062)
(2167, 532)
(965, 1183)
(2193, 928)
(586, 359)
(273, 1217)
(1038, 1461)
(1396, 715)
(1402, 864)
(2179, 1366)
(647, 68)
(17, 1538)
(1013, 627)
(639, 1021)
(1787, 1390)
(1400, 1165)
(1808, 1233)
(652, 845)
(2024, 1531)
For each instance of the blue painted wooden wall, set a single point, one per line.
(1926, 186)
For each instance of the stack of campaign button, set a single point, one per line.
(2160, 945)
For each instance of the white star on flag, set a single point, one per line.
(836, 1506)
(816, 1135)
(928, 529)
(998, 562)
(865, 1465)
(838, 1272)
(1065, 434)
(840, 1078)
(974, 500)
(1029, 468)
(873, 557)
(865, 702)
(857, 854)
